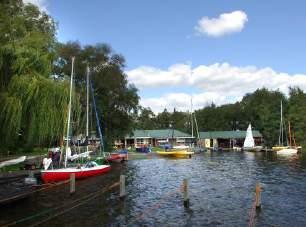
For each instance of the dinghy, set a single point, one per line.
(12, 161)
(176, 153)
(249, 144)
(90, 169)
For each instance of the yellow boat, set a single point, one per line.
(278, 148)
(176, 153)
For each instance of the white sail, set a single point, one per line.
(249, 140)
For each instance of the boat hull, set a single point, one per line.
(278, 148)
(287, 151)
(12, 161)
(176, 153)
(252, 149)
(117, 157)
(56, 175)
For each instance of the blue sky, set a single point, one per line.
(168, 59)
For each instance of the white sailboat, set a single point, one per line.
(281, 149)
(199, 147)
(249, 143)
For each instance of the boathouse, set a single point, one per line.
(156, 137)
(227, 139)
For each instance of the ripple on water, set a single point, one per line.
(222, 189)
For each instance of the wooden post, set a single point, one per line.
(72, 183)
(122, 186)
(186, 192)
(257, 196)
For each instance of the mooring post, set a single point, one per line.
(257, 196)
(72, 183)
(186, 192)
(122, 186)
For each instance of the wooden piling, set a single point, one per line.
(257, 196)
(186, 192)
(72, 183)
(122, 186)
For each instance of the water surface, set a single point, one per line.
(222, 189)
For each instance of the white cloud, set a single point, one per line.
(225, 24)
(41, 4)
(219, 83)
(182, 101)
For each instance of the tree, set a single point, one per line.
(296, 114)
(146, 119)
(33, 106)
(117, 101)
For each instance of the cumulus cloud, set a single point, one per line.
(182, 101)
(225, 24)
(219, 83)
(41, 4)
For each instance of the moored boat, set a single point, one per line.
(287, 151)
(176, 153)
(89, 170)
(249, 143)
(12, 161)
(117, 157)
(278, 148)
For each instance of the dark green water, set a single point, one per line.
(222, 189)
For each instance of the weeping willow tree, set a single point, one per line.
(33, 106)
(34, 111)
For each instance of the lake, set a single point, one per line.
(222, 186)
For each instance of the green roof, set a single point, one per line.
(157, 133)
(227, 134)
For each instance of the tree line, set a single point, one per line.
(260, 108)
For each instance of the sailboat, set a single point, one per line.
(280, 148)
(111, 157)
(280, 145)
(289, 150)
(197, 146)
(176, 151)
(91, 168)
(249, 143)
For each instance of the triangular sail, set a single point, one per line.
(249, 140)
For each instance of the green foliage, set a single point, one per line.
(117, 101)
(261, 109)
(35, 108)
(296, 114)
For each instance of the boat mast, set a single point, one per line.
(197, 128)
(289, 129)
(69, 110)
(280, 139)
(191, 117)
(87, 106)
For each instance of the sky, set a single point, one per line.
(213, 51)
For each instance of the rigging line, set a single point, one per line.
(84, 198)
(98, 121)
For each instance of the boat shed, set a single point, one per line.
(227, 139)
(156, 137)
